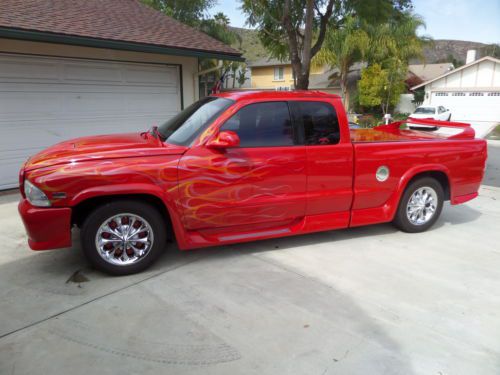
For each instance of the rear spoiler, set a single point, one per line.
(466, 133)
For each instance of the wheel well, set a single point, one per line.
(84, 208)
(440, 177)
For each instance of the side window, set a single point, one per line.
(262, 125)
(278, 73)
(320, 122)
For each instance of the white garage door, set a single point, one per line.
(45, 100)
(470, 106)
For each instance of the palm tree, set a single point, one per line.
(341, 49)
(393, 44)
(396, 39)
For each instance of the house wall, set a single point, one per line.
(472, 94)
(189, 64)
(405, 104)
(481, 76)
(263, 76)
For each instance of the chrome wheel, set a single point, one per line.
(422, 205)
(124, 239)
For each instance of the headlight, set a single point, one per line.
(35, 196)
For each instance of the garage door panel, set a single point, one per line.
(157, 77)
(45, 100)
(92, 73)
(19, 70)
(470, 106)
(14, 104)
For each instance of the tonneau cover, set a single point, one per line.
(393, 132)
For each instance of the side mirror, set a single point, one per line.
(225, 139)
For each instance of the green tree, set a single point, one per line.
(379, 87)
(371, 86)
(189, 12)
(195, 13)
(396, 38)
(296, 29)
(341, 49)
(392, 44)
(242, 78)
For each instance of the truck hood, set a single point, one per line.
(100, 147)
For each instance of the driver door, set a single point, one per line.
(260, 184)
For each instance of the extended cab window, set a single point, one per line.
(319, 121)
(262, 125)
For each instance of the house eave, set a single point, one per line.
(38, 36)
(456, 70)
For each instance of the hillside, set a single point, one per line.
(249, 44)
(443, 49)
(440, 51)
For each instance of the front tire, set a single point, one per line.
(420, 205)
(123, 237)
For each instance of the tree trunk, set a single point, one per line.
(346, 100)
(345, 91)
(302, 81)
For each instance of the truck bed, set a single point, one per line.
(451, 155)
(394, 133)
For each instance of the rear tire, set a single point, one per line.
(420, 205)
(123, 237)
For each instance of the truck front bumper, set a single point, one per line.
(47, 228)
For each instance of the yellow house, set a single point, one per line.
(271, 74)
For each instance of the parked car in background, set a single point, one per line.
(242, 166)
(431, 113)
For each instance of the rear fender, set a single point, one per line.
(393, 202)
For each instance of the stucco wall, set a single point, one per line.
(263, 76)
(189, 64)
(405, 104)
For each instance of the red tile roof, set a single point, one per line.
(115, 20)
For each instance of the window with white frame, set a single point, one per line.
(278, 73)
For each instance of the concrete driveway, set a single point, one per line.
(368, 300)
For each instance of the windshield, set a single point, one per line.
(184, 127)
(425, 110)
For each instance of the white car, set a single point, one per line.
(430, 112)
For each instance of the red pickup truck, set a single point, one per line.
(242, 166)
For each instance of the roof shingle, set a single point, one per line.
(115, 20)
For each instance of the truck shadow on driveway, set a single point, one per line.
(38, 287)
(254, 316)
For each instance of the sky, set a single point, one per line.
(471, 20)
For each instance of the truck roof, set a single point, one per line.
(263, 94)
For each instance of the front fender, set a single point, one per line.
(169, 199)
